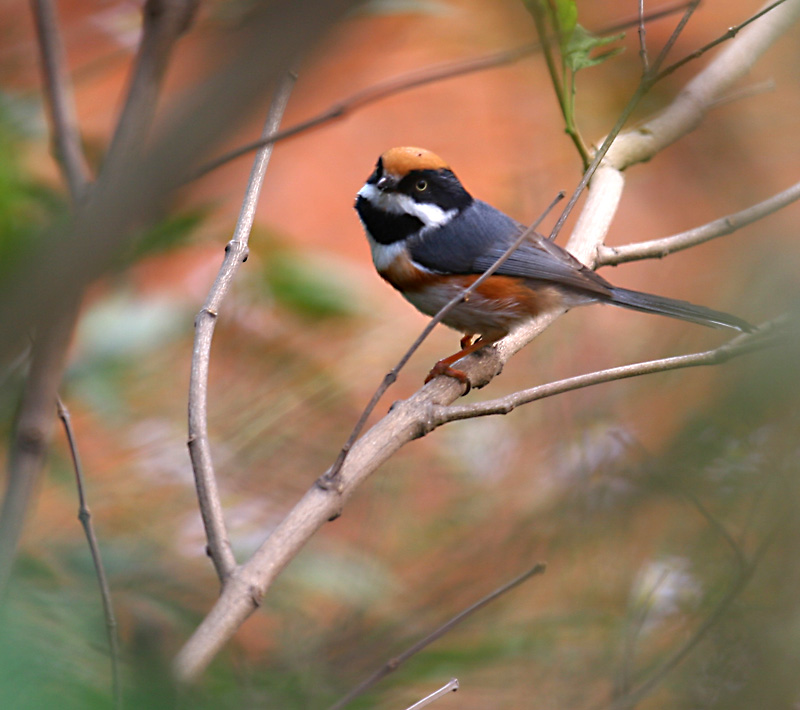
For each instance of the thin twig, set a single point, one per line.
(406, 82)
(85, 516)
(670, 43)
(764, 336)
(219, 547)
(393, 664)
(643, 40)
(450, 687)
(730, 34)
(659, 248)
(330, 475)
(722, 531)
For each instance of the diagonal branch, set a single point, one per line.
(682, 116)
(219, 547)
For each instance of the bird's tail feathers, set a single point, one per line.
(650, 303)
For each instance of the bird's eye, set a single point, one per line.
(421, 185)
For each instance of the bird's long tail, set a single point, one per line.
(649, 303)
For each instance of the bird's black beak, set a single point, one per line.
(386, 183)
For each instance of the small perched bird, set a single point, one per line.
(431, 239)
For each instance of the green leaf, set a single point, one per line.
(307, 286)
(577, 51)
(172, 231)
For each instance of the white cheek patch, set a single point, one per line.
(395, 203)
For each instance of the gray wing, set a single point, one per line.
(448, 250)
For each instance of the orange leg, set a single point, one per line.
(467, 340)
(443, 366)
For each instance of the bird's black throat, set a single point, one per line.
(385, 227)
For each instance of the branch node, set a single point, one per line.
(256, 595)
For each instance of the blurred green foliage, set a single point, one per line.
(26, 205)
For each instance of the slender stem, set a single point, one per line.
(730, 34)
(643, 40)
(85, 516)
(219, 547)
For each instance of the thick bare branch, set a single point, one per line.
(219, 547)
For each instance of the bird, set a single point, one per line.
(430, 239)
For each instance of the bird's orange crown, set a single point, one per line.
(401, 161)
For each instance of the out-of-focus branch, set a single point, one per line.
(60, 102)
(34, 421)
(659, 248)
(219, 547)
(32, 433)
(414, 417)
(129, 197)
(163, 22)
(52, 328)
(392, 665)
(85, 516)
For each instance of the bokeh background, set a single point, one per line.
(648, 499)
